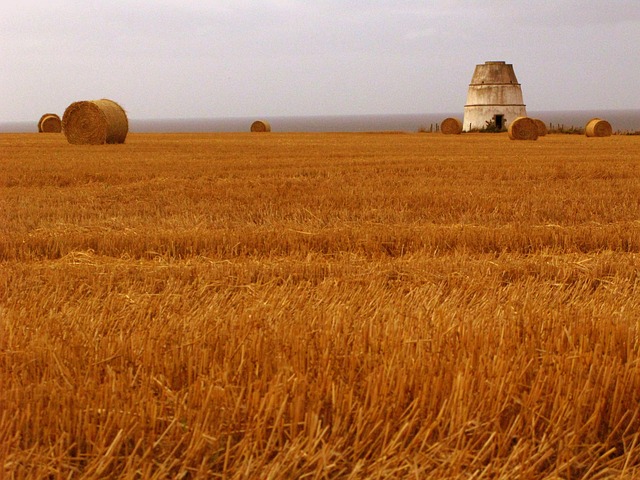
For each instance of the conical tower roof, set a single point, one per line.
(496, 73)
(494, 97)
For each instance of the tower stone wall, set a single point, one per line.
(494, 96)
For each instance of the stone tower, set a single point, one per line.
(494, 96)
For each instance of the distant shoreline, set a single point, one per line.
(621, 120)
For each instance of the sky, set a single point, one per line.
(240, 58)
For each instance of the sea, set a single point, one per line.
(622, 121)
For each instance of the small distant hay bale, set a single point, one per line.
(597, 127)
(95, 122)
(542, 127)
(523, 128)
(451, 126)
(50, 123)
(260, 126)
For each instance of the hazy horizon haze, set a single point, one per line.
(194, 59)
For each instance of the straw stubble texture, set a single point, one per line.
(95, 122)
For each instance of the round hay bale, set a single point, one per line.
(260, 126)
(542, 127)
(49, 123)
(523, 128)
(451, 126)
(95, 122)
(598, 128)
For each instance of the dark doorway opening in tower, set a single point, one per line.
(499, 119)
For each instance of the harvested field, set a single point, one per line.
(320, 306)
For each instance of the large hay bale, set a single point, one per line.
(95, 122)
(542, 127)
(49, 123)
(451, 126)
(523, 128)
(597, 127)
(260, 126)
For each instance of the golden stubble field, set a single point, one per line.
(320, 306)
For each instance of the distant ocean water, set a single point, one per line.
(621, 120)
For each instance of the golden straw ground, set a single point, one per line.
(95, 122)
(237, 305)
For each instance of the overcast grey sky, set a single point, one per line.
(221, 58)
